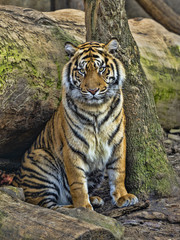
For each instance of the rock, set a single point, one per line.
(168, 141)
(70, 20)
(20, 220)
(95, 218)
(31, 59)
(41, 5)
(174, 137)
(174, 218)
(174, 131)
(160, 59)
(16, 193)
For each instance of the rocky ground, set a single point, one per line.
(161, 220)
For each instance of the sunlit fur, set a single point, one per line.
(84, 138)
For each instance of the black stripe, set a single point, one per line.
(37, 186)
(30, 170)
(95, 56)
(51, 163)
(50, 132)
(112, 67)
(100, 52)
(81, 169)
(88, 112)
(53, 205)
(79, 153)
(86, 44)
(111, 163)
(43, 170)
(41, 139)
(69, 71)
(53, 185)
(112, 109)
(117, 70)
(113, 168)
(112, 160)
(46, 201)
(106, 60)
(76, 134)
(85, 57)
(83, 119)
(76, 151)
(68, 76)
(38, 193)
(76, 62)
(117, 115)
(48, 193)
(114, 133)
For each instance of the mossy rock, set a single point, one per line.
(31, 60)
(160, 59)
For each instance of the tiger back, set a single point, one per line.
(84, 138)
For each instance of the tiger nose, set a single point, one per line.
(93, 91)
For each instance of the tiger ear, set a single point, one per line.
(70, 49)
(112, 45)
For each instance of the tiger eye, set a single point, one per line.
(102, 69)
(82, 71)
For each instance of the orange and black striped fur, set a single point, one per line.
(84, 138)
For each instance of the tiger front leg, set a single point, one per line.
(116, 169)
(78, 183)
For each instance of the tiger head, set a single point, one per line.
(93, 75)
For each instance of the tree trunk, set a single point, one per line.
(148, 170)
(53, 5)
(20, 220)
(162, 13)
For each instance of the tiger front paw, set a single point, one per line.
(87, 206)
(96, 201)
(126, 200)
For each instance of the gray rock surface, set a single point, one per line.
(31, 59)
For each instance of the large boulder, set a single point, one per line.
(160, 59)
(31, 60)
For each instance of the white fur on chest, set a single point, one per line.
(98, 152)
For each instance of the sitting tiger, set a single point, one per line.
(84, 138)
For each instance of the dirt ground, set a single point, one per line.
(161, 220)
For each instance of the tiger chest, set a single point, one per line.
(98, 152)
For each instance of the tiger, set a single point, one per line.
(84, 139)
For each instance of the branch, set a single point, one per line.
(162, 13)
(118, 212)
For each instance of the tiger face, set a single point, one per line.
(93, 75)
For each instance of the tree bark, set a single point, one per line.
(53, 5)
(20, 220)
(148, 170)
(162, 13)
